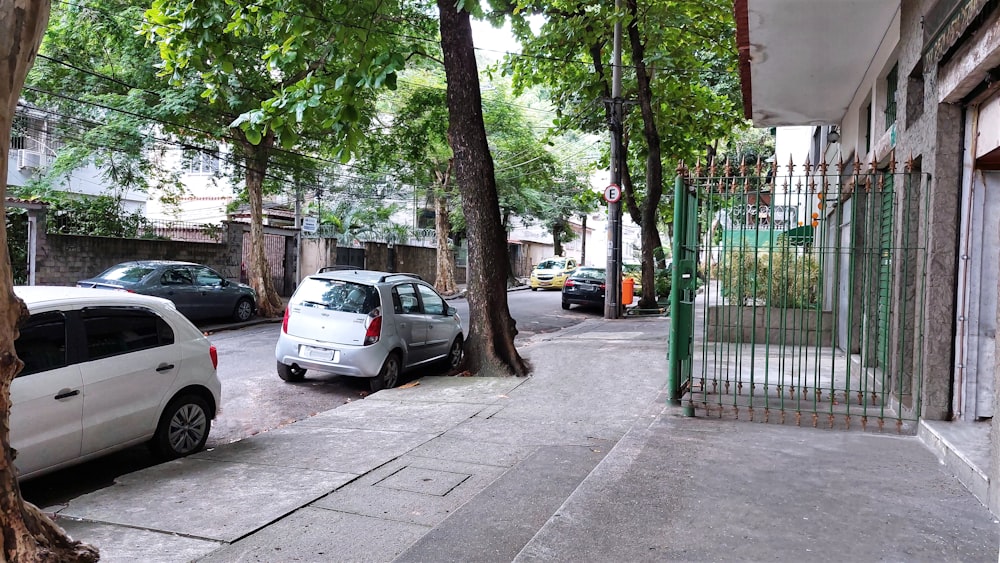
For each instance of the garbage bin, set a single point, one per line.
(628, 287)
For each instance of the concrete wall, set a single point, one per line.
(761, 325)
(411, 259)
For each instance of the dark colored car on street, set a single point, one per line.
(197, 291)
(585, 286)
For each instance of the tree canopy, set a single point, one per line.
(678, 68)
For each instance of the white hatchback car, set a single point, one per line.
(363, 323)
(105, 370)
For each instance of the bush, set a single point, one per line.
(782, 279)
(662, 282)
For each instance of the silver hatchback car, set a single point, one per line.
(362, 323)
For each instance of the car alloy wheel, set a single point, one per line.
(244, 310)
(183, 428)
(454, 358)
(388, 376)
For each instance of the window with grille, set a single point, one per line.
(891, 86)
(866, 121)
(200, 162)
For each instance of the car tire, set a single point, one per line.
(534, 289)
(183, 428)
(244, 310)
(454, 357)
(565, 305)
(291, 374)
(388, 376)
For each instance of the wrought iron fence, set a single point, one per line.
(136, 227)
(810, 307)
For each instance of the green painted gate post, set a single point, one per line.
(682, 290)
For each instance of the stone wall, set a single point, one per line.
(65, 259)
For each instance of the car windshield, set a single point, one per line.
(132, 273)
(589, 274)
(336, 295)
(551, 264)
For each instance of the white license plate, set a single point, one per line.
(314, 353)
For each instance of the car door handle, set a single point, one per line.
(65, 393)
(164, 367)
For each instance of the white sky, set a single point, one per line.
(493, 42)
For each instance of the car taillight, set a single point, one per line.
(214, 354)
(284, 322)
(569, 283)
(602, 286)
(373, 330)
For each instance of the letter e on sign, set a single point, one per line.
(613, 193)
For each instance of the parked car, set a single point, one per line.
(585, 286)
(105, 370)
(199, 292)
(362, 323)
(551, 272)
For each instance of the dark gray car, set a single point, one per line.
(198, 291)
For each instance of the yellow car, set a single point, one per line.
(552, 273)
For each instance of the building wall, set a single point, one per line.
(931, 136)
(932, 114)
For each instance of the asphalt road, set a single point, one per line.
(255, 400)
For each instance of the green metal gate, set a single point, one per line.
(796, 294)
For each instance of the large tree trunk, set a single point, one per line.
(269, 303)
(26, 534)
(654, 165)
(490, 347)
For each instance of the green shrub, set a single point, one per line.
(662, 282)
(782, 278)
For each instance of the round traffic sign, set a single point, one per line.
(613, 193)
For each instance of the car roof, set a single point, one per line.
(364, 276)
(156, 263)
(42, 295)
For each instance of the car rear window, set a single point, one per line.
(589, 274)
(336, 295)
(126, 273)
(118, 330)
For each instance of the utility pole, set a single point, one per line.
(612, 295)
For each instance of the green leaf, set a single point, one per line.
(253, 135)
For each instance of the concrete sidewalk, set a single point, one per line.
(580, 462)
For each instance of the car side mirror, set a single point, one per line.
(451, 312)
(224, 283)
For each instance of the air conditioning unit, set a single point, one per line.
(29, 159)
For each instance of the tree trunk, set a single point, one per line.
(444, 279)
(654, 165)
(269, 303)
(26, 534)
(583, 243)
(490, 347)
